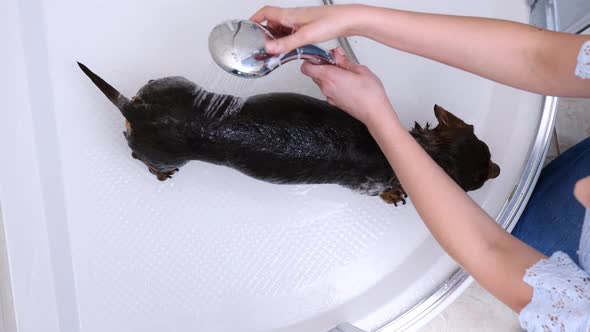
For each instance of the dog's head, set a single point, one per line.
(156, 121)
(454, 146)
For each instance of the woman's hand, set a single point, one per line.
(306, 25)
(351, 87)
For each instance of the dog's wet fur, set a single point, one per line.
(283, 138)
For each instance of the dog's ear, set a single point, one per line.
(447, 119)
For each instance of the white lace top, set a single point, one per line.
(561, 291)
(583, 68)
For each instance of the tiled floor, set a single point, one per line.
(573, 122)
(478, 310)
(475, 310)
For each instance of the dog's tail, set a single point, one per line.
(122, 102)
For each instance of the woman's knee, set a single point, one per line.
(582, 191)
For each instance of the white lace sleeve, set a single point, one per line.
(583, 68)
(561, 296)
(584, 252)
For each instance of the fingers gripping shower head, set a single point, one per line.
(238, 47)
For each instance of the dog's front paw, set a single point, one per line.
(163, 176)
(394, 196)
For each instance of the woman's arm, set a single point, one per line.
(496, 259)
(510, 53)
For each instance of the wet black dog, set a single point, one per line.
(282, 138)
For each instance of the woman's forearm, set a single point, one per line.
(510, 53)
(493, 257)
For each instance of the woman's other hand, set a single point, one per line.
(351, 87)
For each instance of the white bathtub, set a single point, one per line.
(95, 243)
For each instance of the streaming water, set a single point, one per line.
(216, 80)
(223, 94)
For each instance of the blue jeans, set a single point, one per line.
(552, 220)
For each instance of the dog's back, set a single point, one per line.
(291, 138)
